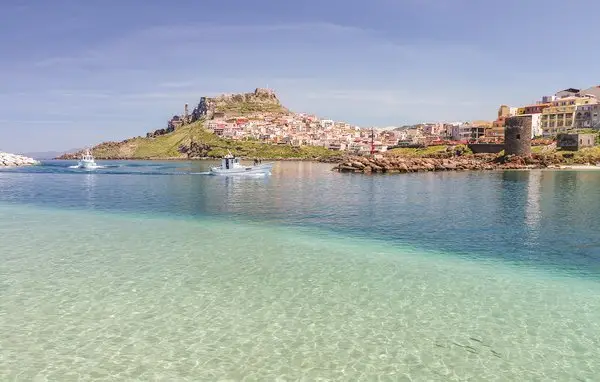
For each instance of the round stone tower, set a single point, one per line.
(517, 136)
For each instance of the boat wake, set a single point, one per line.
(244, 175)
(89, 167)
(140, 168)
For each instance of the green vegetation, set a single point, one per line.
(263, 150)
(175, 144)
(538, 149)
(463, 150)
(162, 146)
(589, 154)
(417, 152)
(429, 151)
(244, 108)
(586, 155)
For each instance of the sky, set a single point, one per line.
(75, 73)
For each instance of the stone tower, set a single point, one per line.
(517, 136)
(186, 115)
(503, 111)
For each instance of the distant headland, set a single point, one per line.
(253, 124)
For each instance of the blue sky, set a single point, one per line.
(76, 73)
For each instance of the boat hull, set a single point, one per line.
(243, 170)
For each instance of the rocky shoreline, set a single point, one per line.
(391, 164)
(14, 160)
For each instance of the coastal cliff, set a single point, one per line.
(185, 136)
(13, 160)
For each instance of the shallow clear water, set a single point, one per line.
(154, 271)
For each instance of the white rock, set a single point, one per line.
(11, 160)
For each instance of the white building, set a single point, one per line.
(327, 123)
(536, 125)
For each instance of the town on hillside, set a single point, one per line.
(568, 111)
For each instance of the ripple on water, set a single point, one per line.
(100, 296)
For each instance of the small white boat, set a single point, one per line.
(87, 161)
(230, 165)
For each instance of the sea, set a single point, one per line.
(157, 271)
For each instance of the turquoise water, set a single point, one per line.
(153, 271)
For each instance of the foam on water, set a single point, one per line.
(88, 168)
(116, 297)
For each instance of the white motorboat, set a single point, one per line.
(231, 165)
(87, 161)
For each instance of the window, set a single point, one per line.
(518, 136)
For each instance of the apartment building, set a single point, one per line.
(560, 117)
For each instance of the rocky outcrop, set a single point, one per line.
(261, 100)
(13, 160)
(342, 157)
(461, 163)
(159, 132)
(195, 150)
(226, 105)
(205, 109)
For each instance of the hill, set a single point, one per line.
(185, 136)
(192, 141)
